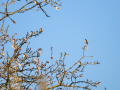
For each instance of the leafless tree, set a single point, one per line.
(23, 69)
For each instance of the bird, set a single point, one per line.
(105, 88)
(45, 0)
(79, 63)
(24, 55)
(86, 42)
(40, 30)
(35, 2)
(31, 33)
(13, 40)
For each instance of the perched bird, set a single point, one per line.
(40, 30)
(35, 2)
(31, 33)
(24, 55)
(45, 0)
(79, 63)
(86, 42)
(14, 41)
(105, 88)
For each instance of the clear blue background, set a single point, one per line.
(98, 21)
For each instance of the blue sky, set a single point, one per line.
(98, 21)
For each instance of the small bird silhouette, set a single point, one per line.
(35, 2)
(86, 42)
(45, 0)
(40, 30)
(24, 55)
(79, 63)
(31, 33)
(105, 88)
